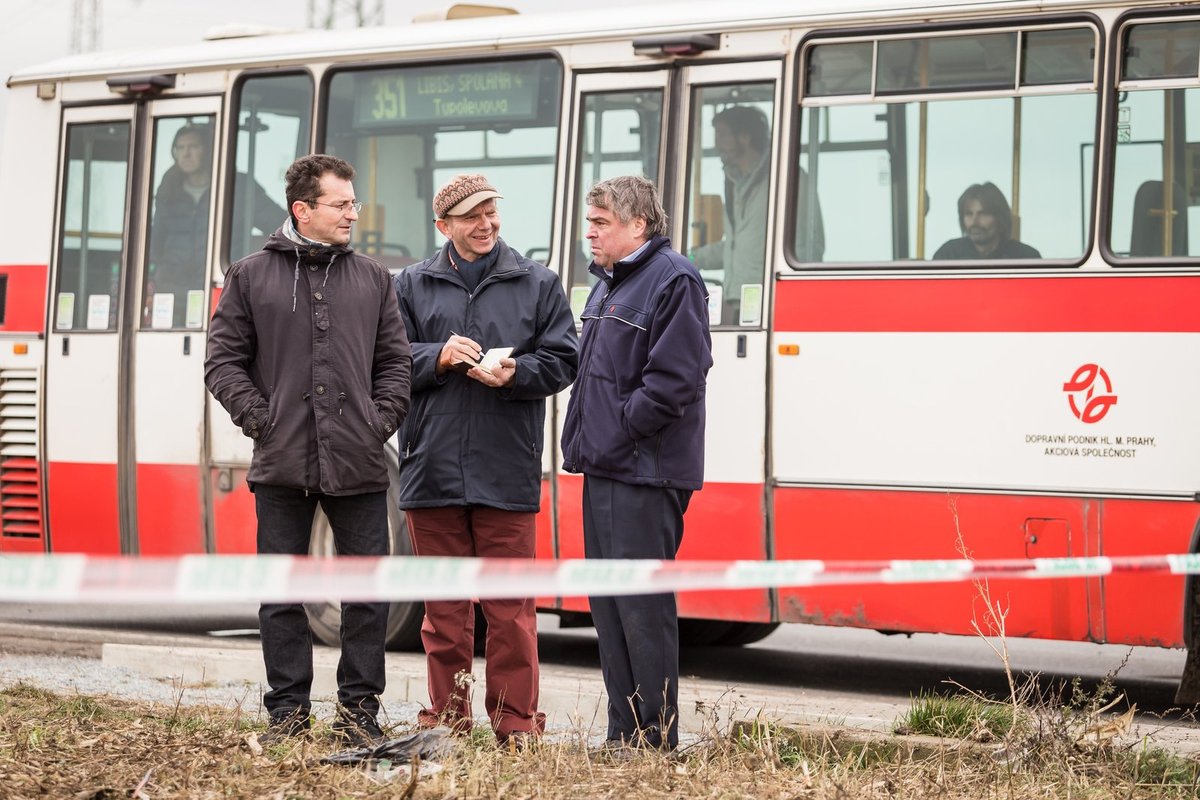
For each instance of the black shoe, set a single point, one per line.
(283, 727)
(358, 729)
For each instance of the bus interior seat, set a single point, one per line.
(1146, 232)
(709, 224)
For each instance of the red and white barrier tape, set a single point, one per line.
(217, 579)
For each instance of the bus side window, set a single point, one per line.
(274, 126)
(1156, 180)
(900, 180)
(177, 253)
(91, 244)
(730, 173)
(620, 136)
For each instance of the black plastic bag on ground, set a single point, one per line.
(426, 745)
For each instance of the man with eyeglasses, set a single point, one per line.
(309, 355)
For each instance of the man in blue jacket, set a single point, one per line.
(635, 429)
(471, 450)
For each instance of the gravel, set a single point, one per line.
(70, 676)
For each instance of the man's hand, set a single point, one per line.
(501, 375)
(458, 348)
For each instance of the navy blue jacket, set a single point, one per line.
(637, 408)
(464, 443)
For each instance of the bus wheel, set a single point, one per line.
(747, 633)
(701, 632)
(404, 619)
(1188, 692)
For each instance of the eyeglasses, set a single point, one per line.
(344, 206)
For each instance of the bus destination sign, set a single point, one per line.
(495, 92)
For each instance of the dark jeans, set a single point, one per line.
(359, 523)
(639, 634)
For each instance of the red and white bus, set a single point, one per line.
(870, 399)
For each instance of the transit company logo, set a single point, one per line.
(1090, 393)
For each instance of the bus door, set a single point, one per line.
(169, 323)
(726, 213)
(84, 364)
(125, 392)
(617, 128)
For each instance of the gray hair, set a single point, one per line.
(629, 197)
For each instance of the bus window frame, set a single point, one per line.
(228, 164)
(590, 82)
(694, 81)
(95, 114)
(332, 70)
(1114, 85)
(799, 103)
(160, 109)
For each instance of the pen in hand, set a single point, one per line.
(477, 356)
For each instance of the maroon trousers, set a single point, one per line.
(448, 632)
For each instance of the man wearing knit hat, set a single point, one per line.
(471, 448)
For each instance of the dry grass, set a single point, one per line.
(84, 747)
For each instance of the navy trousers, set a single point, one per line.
(639, 635)
(359, 522)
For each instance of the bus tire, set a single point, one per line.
(404, 618)
(702, 632)
(747, 633)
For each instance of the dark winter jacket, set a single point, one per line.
(637, 408)
(466, 443)
(308, 354)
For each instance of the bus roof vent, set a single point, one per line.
(462, 11)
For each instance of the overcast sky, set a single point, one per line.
(40, 30)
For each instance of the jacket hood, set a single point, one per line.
(288, 239)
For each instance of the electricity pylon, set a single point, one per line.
(85, 26)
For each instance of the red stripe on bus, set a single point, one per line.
(235, 524)
(24, 298)
(1003, 305)
(83, 508)
(169, 516)
(724, 521)
(865, 524)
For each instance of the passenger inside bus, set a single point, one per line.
(742, 136)
(179, 228)
(987, 224)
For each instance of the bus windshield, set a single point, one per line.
(408, 130)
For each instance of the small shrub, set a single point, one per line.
(957, 717)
